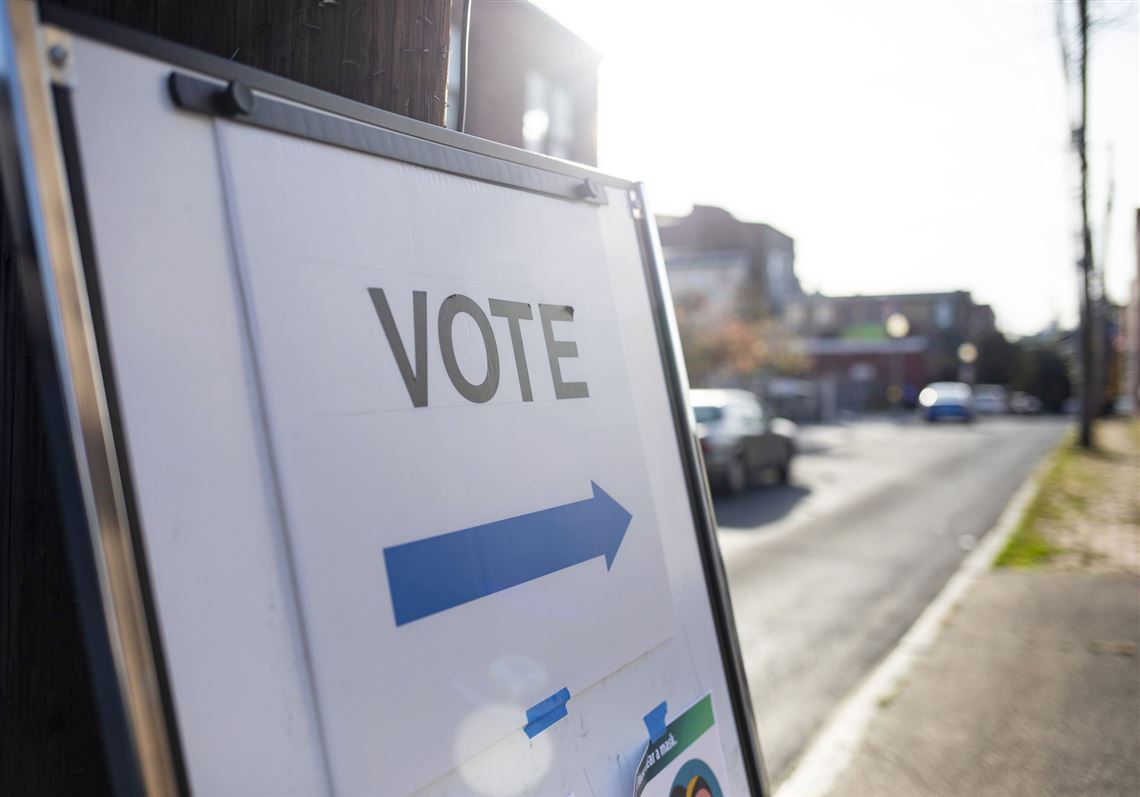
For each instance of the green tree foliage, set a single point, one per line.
(726, 350)
(1042, 373)
(998, 360)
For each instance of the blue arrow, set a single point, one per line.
(440, 573)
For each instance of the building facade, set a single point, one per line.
(531, 83)
(699, 247)
(952, 314)
(847, 340)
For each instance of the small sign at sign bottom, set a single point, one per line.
(686, 760)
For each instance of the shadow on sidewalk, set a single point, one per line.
(759, 506)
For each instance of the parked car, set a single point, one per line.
(1024, 404)
(742, 439)
(991, 400)
(947, 400)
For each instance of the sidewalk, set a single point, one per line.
(1033, 686)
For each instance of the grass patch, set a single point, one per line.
(1026, 546)
(1080, 493)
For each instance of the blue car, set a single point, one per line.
(954, 400)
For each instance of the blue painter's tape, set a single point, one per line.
(545, 713)
(551, 703)
(545, 721)
(655, 721)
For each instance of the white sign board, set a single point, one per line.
(406, 438)
(363, 470)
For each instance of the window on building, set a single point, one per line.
(824, 315)
(548, 122)
(451, 118)
(944, 315)
(781, 283)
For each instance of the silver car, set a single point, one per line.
(742, 439)
(991, 400)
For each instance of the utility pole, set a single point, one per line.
(392, 55)
(1087, 370)
(1101, 345)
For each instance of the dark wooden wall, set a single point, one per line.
(49, 742)
(389, 54)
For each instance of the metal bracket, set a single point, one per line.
(636, 206)
(59, 55)
(237, 102)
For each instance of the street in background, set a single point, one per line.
(828, 572)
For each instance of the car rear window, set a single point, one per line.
(706, 414)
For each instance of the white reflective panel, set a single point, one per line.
(363, 469)
(193, 432)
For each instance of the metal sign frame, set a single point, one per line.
(47, 211)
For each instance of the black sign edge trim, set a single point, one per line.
(73, 167)
(201, 95)
(700, 500)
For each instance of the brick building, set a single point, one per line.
(847, 340)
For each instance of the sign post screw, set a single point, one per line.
(588, 189)
(237, 99)
(58, 55)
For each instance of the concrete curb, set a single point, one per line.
(835, 746)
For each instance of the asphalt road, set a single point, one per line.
(828, 573)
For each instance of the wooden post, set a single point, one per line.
(392, 55)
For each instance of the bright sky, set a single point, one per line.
(906, 146)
